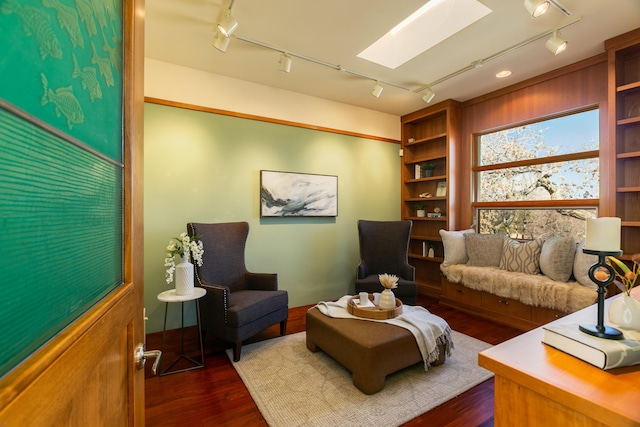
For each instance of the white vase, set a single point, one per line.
(184, 277)
(624, 312)
(387, 300)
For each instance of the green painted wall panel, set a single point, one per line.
(205, 167)
(61, 230)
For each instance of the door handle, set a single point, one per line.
(140, 356)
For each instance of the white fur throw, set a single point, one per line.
(531, 289)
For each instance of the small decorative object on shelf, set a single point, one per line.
(624, 311)
(602, 239)
(185, 247)
(420, 210)
(427, 169)
(387, 298)
(431, 252)
(426, 195)
(441, 189)
(434, 215)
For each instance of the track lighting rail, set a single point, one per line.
(483, 61)
(319, 62)
(222, 42)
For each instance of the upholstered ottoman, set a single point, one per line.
(370, 350)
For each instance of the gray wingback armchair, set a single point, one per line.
(384, 248)
(238, 303)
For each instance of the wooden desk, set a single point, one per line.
(536, 385)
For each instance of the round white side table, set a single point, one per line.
(168, 297)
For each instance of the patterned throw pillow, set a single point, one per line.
(557, 256)
(455, 251)
(522, 257)
(484, 250)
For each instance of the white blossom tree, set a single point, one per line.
(534, 179)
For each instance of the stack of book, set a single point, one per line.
(600, 352)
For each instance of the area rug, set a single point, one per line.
(294, 387)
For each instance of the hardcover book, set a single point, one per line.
(600, 352)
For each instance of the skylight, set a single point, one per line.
(434, 22)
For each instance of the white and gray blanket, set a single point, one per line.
(428, 329)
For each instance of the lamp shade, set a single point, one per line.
(556, 44)
(285, 63)
(377, 89)
(227, 25)
(536, 7)
(428, 96)
(221, 42)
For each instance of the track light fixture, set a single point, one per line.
(221, 42)
(228, 24)
(539, 7)
(285, 62)
(377, 89)
(536, 7)
(556, 44)
(428, 95)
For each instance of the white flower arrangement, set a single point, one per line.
(389, 281)
(184, 246)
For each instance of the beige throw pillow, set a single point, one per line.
(455, 251)
(484, 250)
(557, 257)
(522, 257)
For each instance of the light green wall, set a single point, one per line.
(203, 167)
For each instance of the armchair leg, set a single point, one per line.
(283, 327)
(236, 351)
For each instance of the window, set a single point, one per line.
(539, 178)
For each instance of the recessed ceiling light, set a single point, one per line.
(503, 74)
(434, 22)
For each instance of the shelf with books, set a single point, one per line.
(429, 136)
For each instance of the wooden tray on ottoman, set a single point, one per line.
(373, 313)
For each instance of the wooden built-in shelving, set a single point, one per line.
(624, 115)
(429, 135)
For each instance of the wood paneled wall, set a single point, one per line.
(571, 88)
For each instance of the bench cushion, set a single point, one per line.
(532, 289)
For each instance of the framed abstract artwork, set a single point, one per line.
(290, 194)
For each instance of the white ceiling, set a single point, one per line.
(334, 31)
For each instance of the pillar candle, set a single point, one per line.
(603, 234)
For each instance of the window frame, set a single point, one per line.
(476, 169)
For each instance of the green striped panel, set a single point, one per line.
(61, 219)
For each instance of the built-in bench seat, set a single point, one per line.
(523, 285)
(522, 300)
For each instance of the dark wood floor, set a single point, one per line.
(216, 396)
